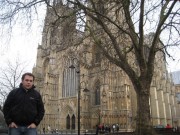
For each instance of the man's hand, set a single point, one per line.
(13, 125)
(32, 126)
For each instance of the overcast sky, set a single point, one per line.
(23, 41)
(23, 44)
(174, 65)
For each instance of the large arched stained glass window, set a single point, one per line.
(70, 80)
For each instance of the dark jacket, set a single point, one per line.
(23, 107)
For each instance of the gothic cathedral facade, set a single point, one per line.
(67, 73)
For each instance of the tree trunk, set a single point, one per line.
(143, 121)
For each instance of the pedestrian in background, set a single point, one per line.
(23, 109)
(49, 129)
(44, 130)
(168, 126)
(117, 127)
(97, 129)
(113, 127)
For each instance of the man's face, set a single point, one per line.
(27, 83)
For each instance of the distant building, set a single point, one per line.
(176, 80)
(111, 98)
(176, 77)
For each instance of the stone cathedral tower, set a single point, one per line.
(110, 98)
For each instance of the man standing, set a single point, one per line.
(23, 109)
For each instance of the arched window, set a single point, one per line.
(73, 121)
(45, 66)
(70, 80)
(68, 122)
(97, 93)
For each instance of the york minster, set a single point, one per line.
(68, 70)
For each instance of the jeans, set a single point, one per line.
(22, 130)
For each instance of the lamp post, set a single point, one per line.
(78, 97)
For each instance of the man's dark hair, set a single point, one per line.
(29, 74)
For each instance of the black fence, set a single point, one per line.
(158, 131)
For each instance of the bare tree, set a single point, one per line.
(108, 21)
(10, 77)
